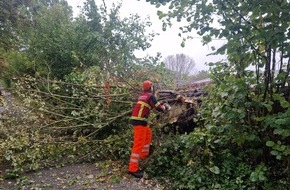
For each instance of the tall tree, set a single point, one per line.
(10, 19)
(109, 41)
(180, 64)
(257, 33)
(41, 30)
(248, 109)
(56, 44)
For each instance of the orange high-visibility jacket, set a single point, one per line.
(141, 110)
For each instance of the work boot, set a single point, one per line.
(137, 174)
(151, 150)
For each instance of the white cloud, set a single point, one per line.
(168, 42)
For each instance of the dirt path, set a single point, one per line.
(80, 177)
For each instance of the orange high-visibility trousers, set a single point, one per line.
(141, 146)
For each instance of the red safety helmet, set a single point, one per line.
(147, 84)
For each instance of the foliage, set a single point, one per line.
(152, 70)
(36, 138)
(55, 45)
(81, 118)
(280, 124)
(75, 81)
(250, 29)
(80, 112)
(240, 143)
(203, 74)
(246, 115)
(10, 20)
(84, 103)
(106, 40)
(196, 161)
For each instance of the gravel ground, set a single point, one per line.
(85, 176)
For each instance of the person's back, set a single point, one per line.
(142, 131)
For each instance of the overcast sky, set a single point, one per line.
(168, 42)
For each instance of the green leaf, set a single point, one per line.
(262, 177)
(280, 121)
(285, 104)
(253, 177)
(215, 170)
(282, 132)
(224, 94)
(268, 106)
(270, 143)
(182, 44)
(274, 152)
(160, 14)
(287, 151)
(281, 148)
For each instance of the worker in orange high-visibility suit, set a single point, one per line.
(142, 131)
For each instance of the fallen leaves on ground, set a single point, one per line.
(86, 176)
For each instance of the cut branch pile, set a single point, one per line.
(183, 114)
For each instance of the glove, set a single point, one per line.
(167, 106)
(180, 98)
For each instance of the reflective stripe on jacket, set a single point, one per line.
(141, 110)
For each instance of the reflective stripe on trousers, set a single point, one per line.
(134, 158)
(141, 146)
(146, 148)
